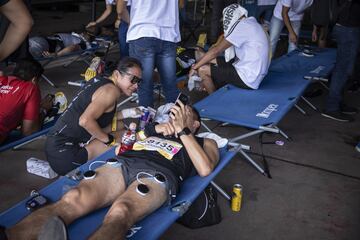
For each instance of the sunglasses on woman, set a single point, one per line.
(133, 79)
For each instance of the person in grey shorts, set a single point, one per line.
(135, 184)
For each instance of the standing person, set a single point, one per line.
(152, 37)
(264, 12)
(290, 13)
(17, 31)
(121, 23)
(216, 15)
(347, 35)
(83, 131)
(105, 16)
(21, 96)
(320, 18)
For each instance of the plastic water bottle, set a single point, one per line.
(144, 119)
(128, 139)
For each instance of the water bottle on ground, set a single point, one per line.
(128, 139)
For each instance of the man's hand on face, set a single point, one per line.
(166, 129)
(178, 115)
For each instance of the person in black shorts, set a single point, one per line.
(84, 130)
(135, 184)
(246, 54)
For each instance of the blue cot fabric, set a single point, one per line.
(321, 64)
(149, 228)
(254, 108)
(277, 94)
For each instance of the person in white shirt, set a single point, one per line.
(290, 13)
(152, 37)
(247, 55)
(264, 12)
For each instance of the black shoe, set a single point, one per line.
(338, 116)
(348, 109)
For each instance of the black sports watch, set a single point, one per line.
(185, 131)
(111, 140)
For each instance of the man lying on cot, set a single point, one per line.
(90, 124)
(135, 184)
(246, 60)
(60, 44)
(20, 100)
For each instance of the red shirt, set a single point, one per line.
(19, 100)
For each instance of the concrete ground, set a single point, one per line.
(314, 192)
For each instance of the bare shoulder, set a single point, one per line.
(108, 90)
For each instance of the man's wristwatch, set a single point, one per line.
(185, 131)
(111, 140)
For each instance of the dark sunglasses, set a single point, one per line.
(133, 79)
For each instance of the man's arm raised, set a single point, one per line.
(204, 157)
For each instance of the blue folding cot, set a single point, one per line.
(262, 109)
(16, 140)
(149, 228)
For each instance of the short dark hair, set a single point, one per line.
(128, 62)
(27, 69)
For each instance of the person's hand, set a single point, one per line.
(47, 102)
(314, 36)
(193, 71)
(90, 24)
(178, 115)
(293, 37)
(117, 23)
(135, 112)
(166, 129)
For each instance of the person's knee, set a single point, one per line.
(119, 210)
(204, 71)
(72, 197)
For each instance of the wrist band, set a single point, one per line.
(111, 140)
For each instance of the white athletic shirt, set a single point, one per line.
(154, 18)
(252, 51)
(297, 8)
(266, 2)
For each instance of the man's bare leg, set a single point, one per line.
(129, 208)
(88, 196)
(205, 75)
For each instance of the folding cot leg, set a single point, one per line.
(48, 80)
(221, 191)
(324, 85)
(309, 103)
(283, 133)
(252, 161)
(27, 142)
(300, 109)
